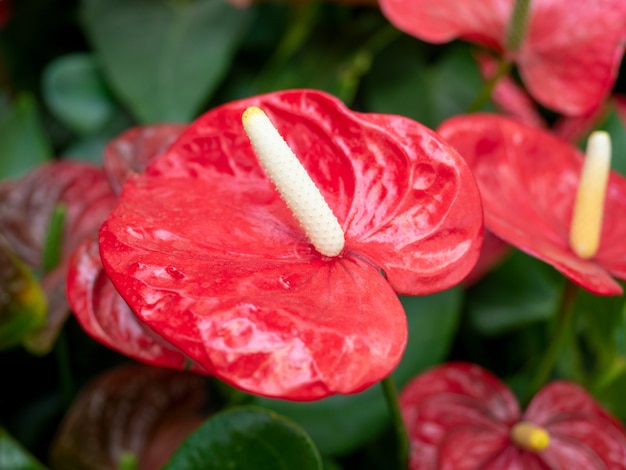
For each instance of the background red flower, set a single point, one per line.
(460, 416)
(569, 58)
(528, 180)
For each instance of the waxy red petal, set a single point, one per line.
(570, 56)
(459, 416)
(582, 433)
(528, 180)
(207, 254)
(450, 399)
(438, 21)
(134, 149)
(105, 316)
(572, 53)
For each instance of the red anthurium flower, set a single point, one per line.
(528, 181)
(208, 255)
(569, 58)
(26, 207)
(459, 416)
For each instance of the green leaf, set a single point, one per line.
(402, 81)
(14, 457)
(23, 144)
(75, 93)
(522, 290)
(341, 424)
(247, 438)
(22, 303)
(164, 57)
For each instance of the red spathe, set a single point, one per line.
(208, 256)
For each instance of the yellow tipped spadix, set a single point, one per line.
(293, 183)
(529, 436)
(586, 224)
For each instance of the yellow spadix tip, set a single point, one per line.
(529, 436)
(586, 226)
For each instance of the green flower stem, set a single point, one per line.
(559, 337)
(504, 67)
(515, 36)
(53, 244)
(391, 396)
(517, 26)
(361, 61)
(303, 17)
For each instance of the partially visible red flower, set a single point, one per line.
(209, 257)
(98, 307)
(570, 56)
(528, 180)
(146, 411)
(461, 417)
(133, 150)
(26, 207)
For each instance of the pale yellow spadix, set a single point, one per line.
(293, 183)
(586, 226)
(529, 436)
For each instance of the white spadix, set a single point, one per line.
(293, 183)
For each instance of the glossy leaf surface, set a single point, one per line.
(76, 94)
(569, 58)
(143, 410)
(164, 58)
(247, 438)
(520, 291)
(23, 144)
(207, 255)
(459, 416)
(528, 181)
(15, 457)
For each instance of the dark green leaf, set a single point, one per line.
(75, 92)
(522, 290)
(342, 423)
(164, 57)
(403, 82)
(247, 438)
(14, 457)
(22, 142)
